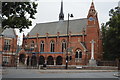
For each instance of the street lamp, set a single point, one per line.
(69, 15)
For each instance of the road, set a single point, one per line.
(36, 73)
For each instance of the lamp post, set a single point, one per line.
(69, 15)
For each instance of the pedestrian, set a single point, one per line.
(44, 66)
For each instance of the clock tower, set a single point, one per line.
(93, 31)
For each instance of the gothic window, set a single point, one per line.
(64, 45)
(42, 46)
(78, 54)
(52, 46)
(32, 44)
(7, 45)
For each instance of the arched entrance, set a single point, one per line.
(59, 60)
(33, 61)
(22, 58)
(50, 60)
(41, 60)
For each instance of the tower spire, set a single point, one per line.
(92, 10)
(92, 6)
(92, 15)
(61, 15)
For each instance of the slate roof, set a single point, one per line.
(9, 32)
(75, 26)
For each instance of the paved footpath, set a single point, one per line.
(36, 73)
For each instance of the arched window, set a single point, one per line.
(64, 45)
(52, 46)
(78, 54)
(32, 44)
(42, 46)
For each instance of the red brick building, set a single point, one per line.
(49, 42)
(8, 46)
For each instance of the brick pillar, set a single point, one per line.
(37, 46)
(64, 60)
(54, 62)
(57, 45)
(47, 44)
(83, 35)
(37, 60)
(45, 59)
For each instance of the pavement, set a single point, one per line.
(73, 71)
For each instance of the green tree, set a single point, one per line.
(18, 14)
(111, 35)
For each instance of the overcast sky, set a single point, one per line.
(48, 10)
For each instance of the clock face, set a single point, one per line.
(91, 18)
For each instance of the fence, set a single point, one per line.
(107, 63)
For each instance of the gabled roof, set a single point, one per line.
(9, 32)
(84, 46)
(75, 26)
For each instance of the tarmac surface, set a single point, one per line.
(57, 73)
